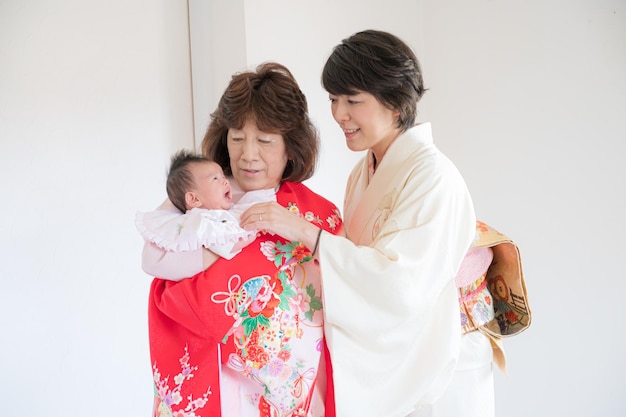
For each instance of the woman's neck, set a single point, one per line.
(380, 148)
(237, 192)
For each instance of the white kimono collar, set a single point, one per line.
(420, 134)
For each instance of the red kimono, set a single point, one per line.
(245, 337)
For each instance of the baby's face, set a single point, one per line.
(211, 186)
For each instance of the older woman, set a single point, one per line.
(245, 337)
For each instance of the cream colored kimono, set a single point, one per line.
(391, 306)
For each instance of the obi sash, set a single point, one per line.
(492, 291)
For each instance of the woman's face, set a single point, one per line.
(365, 121)
(257, 159)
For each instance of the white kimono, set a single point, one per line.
(391, 305)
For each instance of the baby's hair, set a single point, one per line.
(179, 177)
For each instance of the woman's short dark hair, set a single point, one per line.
(381, 64)
(271, 97)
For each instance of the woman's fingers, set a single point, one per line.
(255, 216)
(271, 218)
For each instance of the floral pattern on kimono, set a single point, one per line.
(259, 315)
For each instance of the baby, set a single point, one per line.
(194, 181)
(206, 216)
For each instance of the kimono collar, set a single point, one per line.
(258, 195)
(421, 134)
(365, 189)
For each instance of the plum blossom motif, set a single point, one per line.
(334, 219)
(167, 397)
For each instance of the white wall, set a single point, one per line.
(528, 97)
(217, 33)
(94, 96)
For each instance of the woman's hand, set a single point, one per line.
(273, 218)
